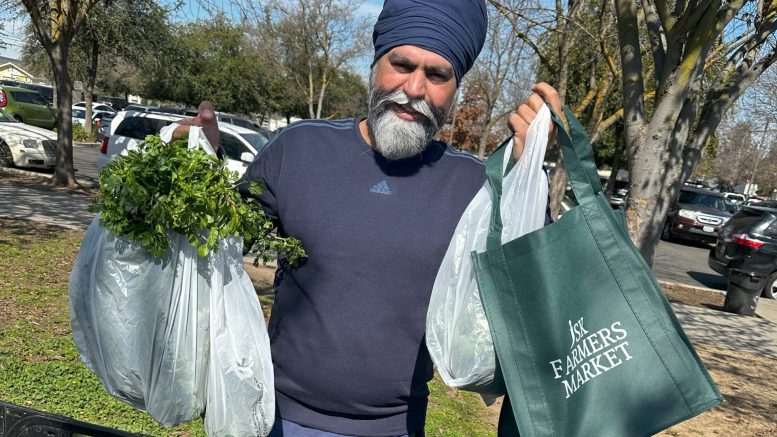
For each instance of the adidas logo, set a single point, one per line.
(381, 187)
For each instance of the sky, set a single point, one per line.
(11, 35)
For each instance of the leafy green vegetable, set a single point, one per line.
(166, 187)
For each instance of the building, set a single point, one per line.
(10, 70)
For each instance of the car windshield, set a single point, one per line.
(257, 141)
(702, 199)
(6, 117)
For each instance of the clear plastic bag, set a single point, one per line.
(177, 335)
(457, 333)
(141, 323)
(241, 392)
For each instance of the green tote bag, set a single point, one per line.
(585, 339)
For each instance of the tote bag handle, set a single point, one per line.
(578, 159)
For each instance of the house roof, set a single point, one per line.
(16, 64)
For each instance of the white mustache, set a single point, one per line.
(421, 106)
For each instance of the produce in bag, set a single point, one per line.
(162, 310)
(457, 331)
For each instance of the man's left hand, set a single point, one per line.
(519, 121)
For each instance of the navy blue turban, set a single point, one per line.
(454, 29)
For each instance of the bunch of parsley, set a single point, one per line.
(163, 187)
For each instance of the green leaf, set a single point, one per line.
(166, 187)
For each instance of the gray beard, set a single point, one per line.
(396, 138)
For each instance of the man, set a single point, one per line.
(375, 202)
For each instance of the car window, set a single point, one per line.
(28, 97)
(257, 141)
(79, 113)
(140, 127)
(771, 231)
(232, 146)
(20, 96)
(103, 108)
(242, 123)
(702, 199)
(743, 219)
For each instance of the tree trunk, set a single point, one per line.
(63, 174)
(486, 127)
(91, 77)
(558, 184)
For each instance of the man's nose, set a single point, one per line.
(415, 85)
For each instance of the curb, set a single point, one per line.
(692, 287)
(21, 172)
(18, 171)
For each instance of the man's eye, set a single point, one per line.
(403, 68)
(438, 77)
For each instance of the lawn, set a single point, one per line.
(40, 367)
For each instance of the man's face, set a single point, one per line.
(411, 95)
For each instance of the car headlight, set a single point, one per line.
(30, 144)
(687, 213)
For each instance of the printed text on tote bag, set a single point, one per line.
(591, 355)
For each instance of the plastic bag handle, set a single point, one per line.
(578, 160)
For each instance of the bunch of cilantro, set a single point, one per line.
(163, 187)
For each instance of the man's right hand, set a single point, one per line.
(205, 119)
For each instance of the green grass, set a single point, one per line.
(40, 367)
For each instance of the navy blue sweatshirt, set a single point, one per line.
(347, 326)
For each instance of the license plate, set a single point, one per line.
(708, 229)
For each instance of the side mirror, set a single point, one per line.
(246, 157)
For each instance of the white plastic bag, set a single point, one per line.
(174, 336)
(141, 323)
(241, 392)
(457, 333)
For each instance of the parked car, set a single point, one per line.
(79, 115)
(22, 145)
(46, 92)
(96, 106)
(27, 106)
(747, 245)
(697, 215)
(735, 197)
(117, 103)
(129, 128)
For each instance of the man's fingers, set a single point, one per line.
(526, 113)
(549, 95)
(519, 127)
(535, 102)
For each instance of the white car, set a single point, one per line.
(23, 145)
(96, 107)
(79, 115)
(129, 128)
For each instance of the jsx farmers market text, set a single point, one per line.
(591, 355)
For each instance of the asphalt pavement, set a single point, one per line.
(674, 263)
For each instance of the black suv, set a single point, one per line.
(697, 215)
(747, 246)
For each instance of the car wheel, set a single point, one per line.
(770, 291)
(18, 118)
(666, 233)
(6, 158)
